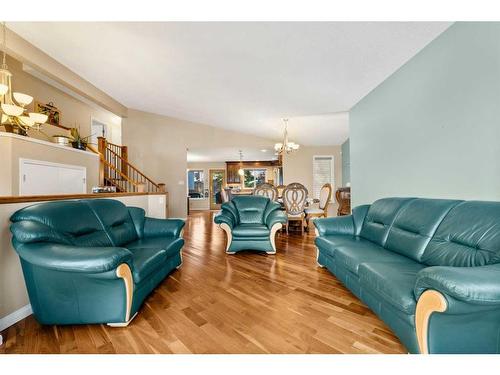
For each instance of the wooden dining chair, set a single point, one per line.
(325, 197)
(280, 189)
(266, 190)
(294, 199)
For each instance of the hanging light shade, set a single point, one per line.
(285, 146)
(13, 104)
(241, 172)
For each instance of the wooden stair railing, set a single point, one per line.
(115, 170)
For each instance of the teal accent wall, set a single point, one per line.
(346, 163)
(432, 129)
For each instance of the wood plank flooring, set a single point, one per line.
(218, 303)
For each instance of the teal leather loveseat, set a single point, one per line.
(92, 261)
(250, 223)
(430, 268)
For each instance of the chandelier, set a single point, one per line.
(14, 114)
(241, 172)
(286, 146)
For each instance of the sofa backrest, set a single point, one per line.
(116, 219)
(87, 222)
(468, 236)
(380, 217)
(65, 222)
(415, 224)
(251, 208)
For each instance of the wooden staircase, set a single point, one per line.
(115, 170)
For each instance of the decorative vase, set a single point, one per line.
(79, 145)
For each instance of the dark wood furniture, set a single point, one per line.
(232, 168)
(343, 197)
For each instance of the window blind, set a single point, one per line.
(323, 173)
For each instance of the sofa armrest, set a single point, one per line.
(335, 225)
(163, 227)
(473, 285)
(225, 217)
(73, 258)
(274, 217)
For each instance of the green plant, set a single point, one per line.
(77, 138)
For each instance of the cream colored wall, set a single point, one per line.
(26, 52)
(12, 148)
(197, 204)
(13, 294)
(298, 167)
(73, 111)
(158, 146)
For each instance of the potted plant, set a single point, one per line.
(77, 141)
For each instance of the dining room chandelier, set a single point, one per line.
(14, 114)
(286, 146)
(241, 172)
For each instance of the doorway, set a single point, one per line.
(97, 129)
(217, 181)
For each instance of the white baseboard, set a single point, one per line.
(15, 317)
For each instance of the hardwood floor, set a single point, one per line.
(218, 303)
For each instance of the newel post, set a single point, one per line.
(101, 147)
(124, 166)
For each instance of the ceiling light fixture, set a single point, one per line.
(241, 172)
(286, 146)
(13, 104)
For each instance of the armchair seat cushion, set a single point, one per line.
(145, 261)
(392, 282)
(314, 210)
(170, 245)
(352, 255)
(251, 230)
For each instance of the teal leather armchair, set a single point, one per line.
(250, 223)
(430, 268)
(92, 261)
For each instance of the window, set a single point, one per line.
(253, 178)
(323, 173)
(196, 185)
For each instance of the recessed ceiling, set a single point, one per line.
(237, 75)
(222, 154)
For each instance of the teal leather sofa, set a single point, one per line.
(92, 261)
(429, 268)
(250, 223)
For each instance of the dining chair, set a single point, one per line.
(280, 189)
(266, 190)
(294, 199)
(325, 197)
(224, 196)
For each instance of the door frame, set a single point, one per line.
(211, 172)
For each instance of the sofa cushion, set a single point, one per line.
(351, 256)
(469, 236)
(171, 245)
(251, 230)
(115, 218)
(415, 225)
(393, 282)
(328, 244)
(380, 217)
(251, 208)
(145, 261)
(65, 222)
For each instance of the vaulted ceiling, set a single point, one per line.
(239, 76)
